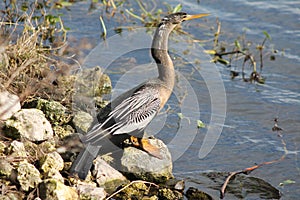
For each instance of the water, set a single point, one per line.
(247, 137)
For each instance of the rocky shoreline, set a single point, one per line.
(40, 140)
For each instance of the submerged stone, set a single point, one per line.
(195, 194)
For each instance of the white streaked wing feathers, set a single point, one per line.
(132, 114)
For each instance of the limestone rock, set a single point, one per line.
(2, 147)
(54, 174)
(82, 121)
(54, 111)
(63, 131)
(30, 124)
(28, 176)
(91, 192)
(5, 168)
(52, 189)
(52, 161)
(9, 104)
(17, 149)
(107, 176)
(140, 165)
(193, 194)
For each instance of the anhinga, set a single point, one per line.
(133, 111)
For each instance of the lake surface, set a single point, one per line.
(246, 137)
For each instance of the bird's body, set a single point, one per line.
(131, 112)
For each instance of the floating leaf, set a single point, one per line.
(65, 3)
(223, 61)
(212, 52)
(200, 124)
(180, 115)
(287, 182)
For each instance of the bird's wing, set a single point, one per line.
(132, 114)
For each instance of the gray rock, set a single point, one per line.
(2, 147)
(12, 195)
(63, 131)
(52, 161)
(54, 111)
(107, 176)
(30, 124)
(17, 149)
(54, 189)
(91, 192)
(5, 168)
(140, 165)
(28, 176)
(54, 174)
(82, 121)
(9, 104)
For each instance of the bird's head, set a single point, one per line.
(177, 18)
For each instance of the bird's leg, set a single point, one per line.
(145, 145)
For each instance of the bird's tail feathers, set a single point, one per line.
(83, 163)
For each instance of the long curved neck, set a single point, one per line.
(160, 54)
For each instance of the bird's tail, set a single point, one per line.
(83, 163)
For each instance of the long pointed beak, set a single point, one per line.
(189, 17)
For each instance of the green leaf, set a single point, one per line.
(212, 51)
(287, 182)
(267, 35)
(177, 8)
(237, 44)
(180, 115)
(200, 124)
(223, 61)
(65, 3)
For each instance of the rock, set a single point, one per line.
(107, 176)
(92, 82)
(82, 121)
(52, 161)
(53, 189)
(17, 149)
(140, 165)
(195, 194)
(54, 174)
(91, 192)
(12, 195)
(2, 147)
(54, 111)
(168, 194)
(63, 131)
(136, 190)
(30, 124)
(38, 151)
(5, 168)
(9, 104)
(28, 176)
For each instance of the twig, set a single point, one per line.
(129, 184)
(216, 39)
(250, 169)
